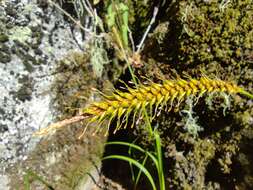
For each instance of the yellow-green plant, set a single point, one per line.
(120, 105)
(117, 21)
(146, 99)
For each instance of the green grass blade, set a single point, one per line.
(139, 172)
(137, 148)
(160, 160)
(27, 182)
(130, 165)
(137, 164)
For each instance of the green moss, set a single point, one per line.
(28, 66)
(4, 58)
(73, 88)
(5, 55)
(197, 161)
(216, 35)
(3, 38)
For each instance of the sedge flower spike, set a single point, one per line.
(153, 97)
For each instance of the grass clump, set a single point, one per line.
(156, 157)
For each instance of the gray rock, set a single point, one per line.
(33, 39)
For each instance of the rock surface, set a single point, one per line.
(34, 36)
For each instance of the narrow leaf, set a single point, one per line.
(137, 164)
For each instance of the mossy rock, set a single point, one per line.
(216, 32)
(202, 37)
(61, 159)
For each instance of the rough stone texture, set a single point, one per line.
(33, 37)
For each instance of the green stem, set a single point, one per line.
(245, 93)
(160, 161)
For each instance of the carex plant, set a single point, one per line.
(149, 98)
(144, 101)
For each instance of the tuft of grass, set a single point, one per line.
(156, 158)
(146, 98)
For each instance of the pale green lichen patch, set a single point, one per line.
(21, 34)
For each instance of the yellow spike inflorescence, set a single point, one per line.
(120, 105)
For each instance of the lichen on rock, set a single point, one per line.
(33, 40)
